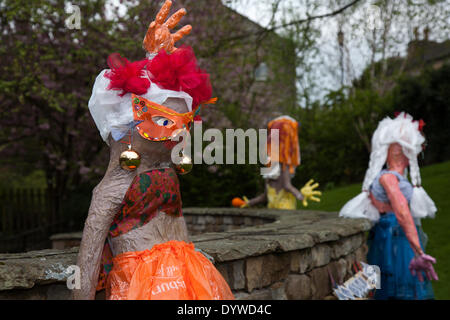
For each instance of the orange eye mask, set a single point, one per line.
(159, 123)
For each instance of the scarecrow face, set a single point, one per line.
(396, 155)
(157, 151)
(171, 124)
(160, 122)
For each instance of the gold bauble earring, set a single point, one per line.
(185, 165)
(129, 160)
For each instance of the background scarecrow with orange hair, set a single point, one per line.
(279, 192)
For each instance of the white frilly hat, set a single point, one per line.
(111, 111)
(404, 131)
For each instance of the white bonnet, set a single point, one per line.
(110, 110)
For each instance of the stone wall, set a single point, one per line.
(219, 221)
(263, 254)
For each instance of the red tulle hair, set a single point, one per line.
(179, 72)
(126, 75)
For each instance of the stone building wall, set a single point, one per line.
(262, 254)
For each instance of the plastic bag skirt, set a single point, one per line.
(390, 250)
(169, 271)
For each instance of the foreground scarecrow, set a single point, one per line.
(135, 242)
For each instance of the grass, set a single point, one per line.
(436, 181)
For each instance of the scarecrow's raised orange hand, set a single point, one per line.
(158, 34)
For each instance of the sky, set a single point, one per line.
(357, 25)
(327, 61)
(260, 11)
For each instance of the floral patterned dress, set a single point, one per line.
(149, 193)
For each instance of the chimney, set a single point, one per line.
(341, 38)
(426, 32)
(416, 33)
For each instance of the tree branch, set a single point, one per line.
(284, 25)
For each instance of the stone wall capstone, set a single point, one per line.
(262, 254)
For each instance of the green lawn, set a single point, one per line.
(436, 181)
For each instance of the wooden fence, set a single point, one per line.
(27, 219)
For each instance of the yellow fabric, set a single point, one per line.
(280, 200)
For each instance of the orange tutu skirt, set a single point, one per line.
(169, 271)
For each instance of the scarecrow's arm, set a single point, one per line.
(287, 185)
(106, 199)
(401, 210)
(257, 200)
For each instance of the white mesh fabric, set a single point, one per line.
(422, 205)
(360, 207)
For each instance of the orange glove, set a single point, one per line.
(239, 203)
(158, 34)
